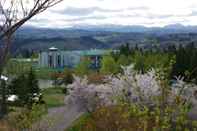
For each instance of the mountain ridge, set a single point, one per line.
(40, 39)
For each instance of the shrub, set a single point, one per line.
(83, 67)
(131, 118)
(80, 123)
(96, 78)
(67, 76)
(25, 118)
(146, 99)
(4, 126)
(109, 65)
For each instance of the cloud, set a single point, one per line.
(74, 11)
(194, 13)
(86, 18)
(144, 8)
(148, 16)
(121, 12)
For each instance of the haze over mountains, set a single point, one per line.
(103, 36)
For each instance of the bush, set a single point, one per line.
(4, 126)
(25, 118)
(83, 68)
(134, 101)
(109, 65)
(65, 91)
(96, 78)
(131, 118)
(67, 76)
(79, 123)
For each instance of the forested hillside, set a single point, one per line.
(36, 39)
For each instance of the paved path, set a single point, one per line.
(193, 113)
(58, 119)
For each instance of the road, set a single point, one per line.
(58, 119)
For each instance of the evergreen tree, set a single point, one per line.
(18, 87)
(186, 64)
(26, 88)
(33, 89)
(125, 50)
(123, 61)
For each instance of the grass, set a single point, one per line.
(79, 123)
(53, 97)
(44, 73)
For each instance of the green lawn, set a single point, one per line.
(53, 97)
(45, 73)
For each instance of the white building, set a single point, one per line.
(54, 58)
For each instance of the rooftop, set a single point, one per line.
(90, 52)
(53, 48)
(94, 52)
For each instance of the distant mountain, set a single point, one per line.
(95, 30)
(104, 36)
(29, 32)
(173, 28)
(43, 44)
(113, 28)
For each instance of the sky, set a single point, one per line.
(150, 13)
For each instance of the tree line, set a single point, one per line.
(181, 60)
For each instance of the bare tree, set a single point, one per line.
(13, 14)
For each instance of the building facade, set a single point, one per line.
(54, 58)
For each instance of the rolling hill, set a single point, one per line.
(81, 38)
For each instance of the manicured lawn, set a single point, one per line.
(44, 73)
(53, 97)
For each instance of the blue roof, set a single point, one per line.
(91, 52)
(94, 52)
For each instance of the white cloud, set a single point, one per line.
(123, 12)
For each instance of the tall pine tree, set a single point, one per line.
(25, 86)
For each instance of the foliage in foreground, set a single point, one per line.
(25, 118)
(131, 118)
(22, 118)
(133, 100)
(79, 123)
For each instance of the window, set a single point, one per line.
(50, 61)
(59, 61)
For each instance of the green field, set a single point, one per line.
(53, 97)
